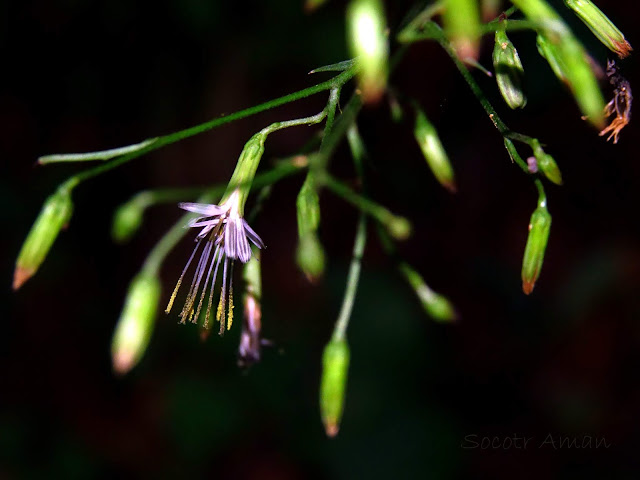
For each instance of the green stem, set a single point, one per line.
(333, 83)
(369, 207)
(340, 329)
(542, 196)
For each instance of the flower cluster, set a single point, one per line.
(226, 236)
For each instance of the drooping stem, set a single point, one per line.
(154, 144)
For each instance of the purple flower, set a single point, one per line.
(225, 236)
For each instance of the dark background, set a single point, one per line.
(83, 76)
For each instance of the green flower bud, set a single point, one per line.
(601, 26)
(433, 151)
(572, 60)
(310, 256)
(55, 214)
(539, 227)
(366, 27)
(136, 323)
(435, 305)
(127, 220)
(308, 207)
(461, 20)
(335, 364)
(509, 71)
(398, 227)
(547, 164)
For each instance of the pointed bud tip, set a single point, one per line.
(123, 361)
(623, 49)
(21, 275)
(332, 429)
(451, 186)
(527, 286)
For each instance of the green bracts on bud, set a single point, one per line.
(246, 169)
(547, 164)
(335, 365)
(127, 219)
(55, 214)
(509, 71)
(433, 151)
(367, 37)
(435, 305)
(539, 227)
(571, 59)
(135, 326)
(461, 20)
(601, 26)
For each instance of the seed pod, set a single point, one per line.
(433, 151)
(133, 331)
(509, 71)
(366, 29)
(335, 366)
(55, 214)
(601, 26)
(539, 227)
(461, 20)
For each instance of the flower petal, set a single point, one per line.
(208, 210)
(253, 236)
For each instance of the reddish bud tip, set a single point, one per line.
(21, 275)
(527, 286)
(332, 429)
(123, 361)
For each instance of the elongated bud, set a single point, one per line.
(308, 207)
(366, 29)
(55, 214)
(546, 164)
(539, 227)
(335, 365)
(435, 305)
(571, 59)
(133, 331)
(127, 219)
(601, 26)
(245, 169)
(509, 71)
(462, 25)
(433, 151)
